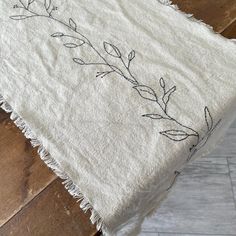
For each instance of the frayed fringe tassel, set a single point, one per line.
(191, 17)
(52, 164)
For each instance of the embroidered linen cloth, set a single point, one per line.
(118, 95)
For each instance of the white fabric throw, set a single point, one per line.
(122, 94)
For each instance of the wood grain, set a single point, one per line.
(201, 202)
(23, 175)
(217, 13)
(230, 32)
(52, 213)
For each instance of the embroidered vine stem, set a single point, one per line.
(146, 92)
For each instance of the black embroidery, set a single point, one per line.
(77, 39)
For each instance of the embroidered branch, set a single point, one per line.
(77, 39)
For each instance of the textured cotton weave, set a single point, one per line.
(118, 95)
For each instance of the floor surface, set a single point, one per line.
(203, 200)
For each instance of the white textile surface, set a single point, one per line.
(121, 94)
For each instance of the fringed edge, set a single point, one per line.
(191, 17)
(53, 164)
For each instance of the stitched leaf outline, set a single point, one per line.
(131, 55)
(208, 118)
(70, 45)
(162, 83)
(175, 135)
(166, 98)
(111, 49)
(72, 24)
(146, 92)
(47, 4)
(19, 17)
(57, 34)
(73, 45)
(79, 61)
(153, 116)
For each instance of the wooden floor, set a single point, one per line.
(33, 202)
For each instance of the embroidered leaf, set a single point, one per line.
(131, 55)
(72, 24)
(175, 135)
(73, 45)
(208, 118)
(47, 4)
(146, 92)
(104, 73)
(57, 34)
(167, 95)
(162, 83)
(19, 17)
(79, 61)
(81, 42)
(171, 90)
(153, 116)
(112, 50)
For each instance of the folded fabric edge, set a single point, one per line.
(68, 183)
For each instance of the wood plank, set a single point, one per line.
(232, 169)
(230, 32)
(53, 212)
(202, 202)
(217, 13)
(22, 175)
